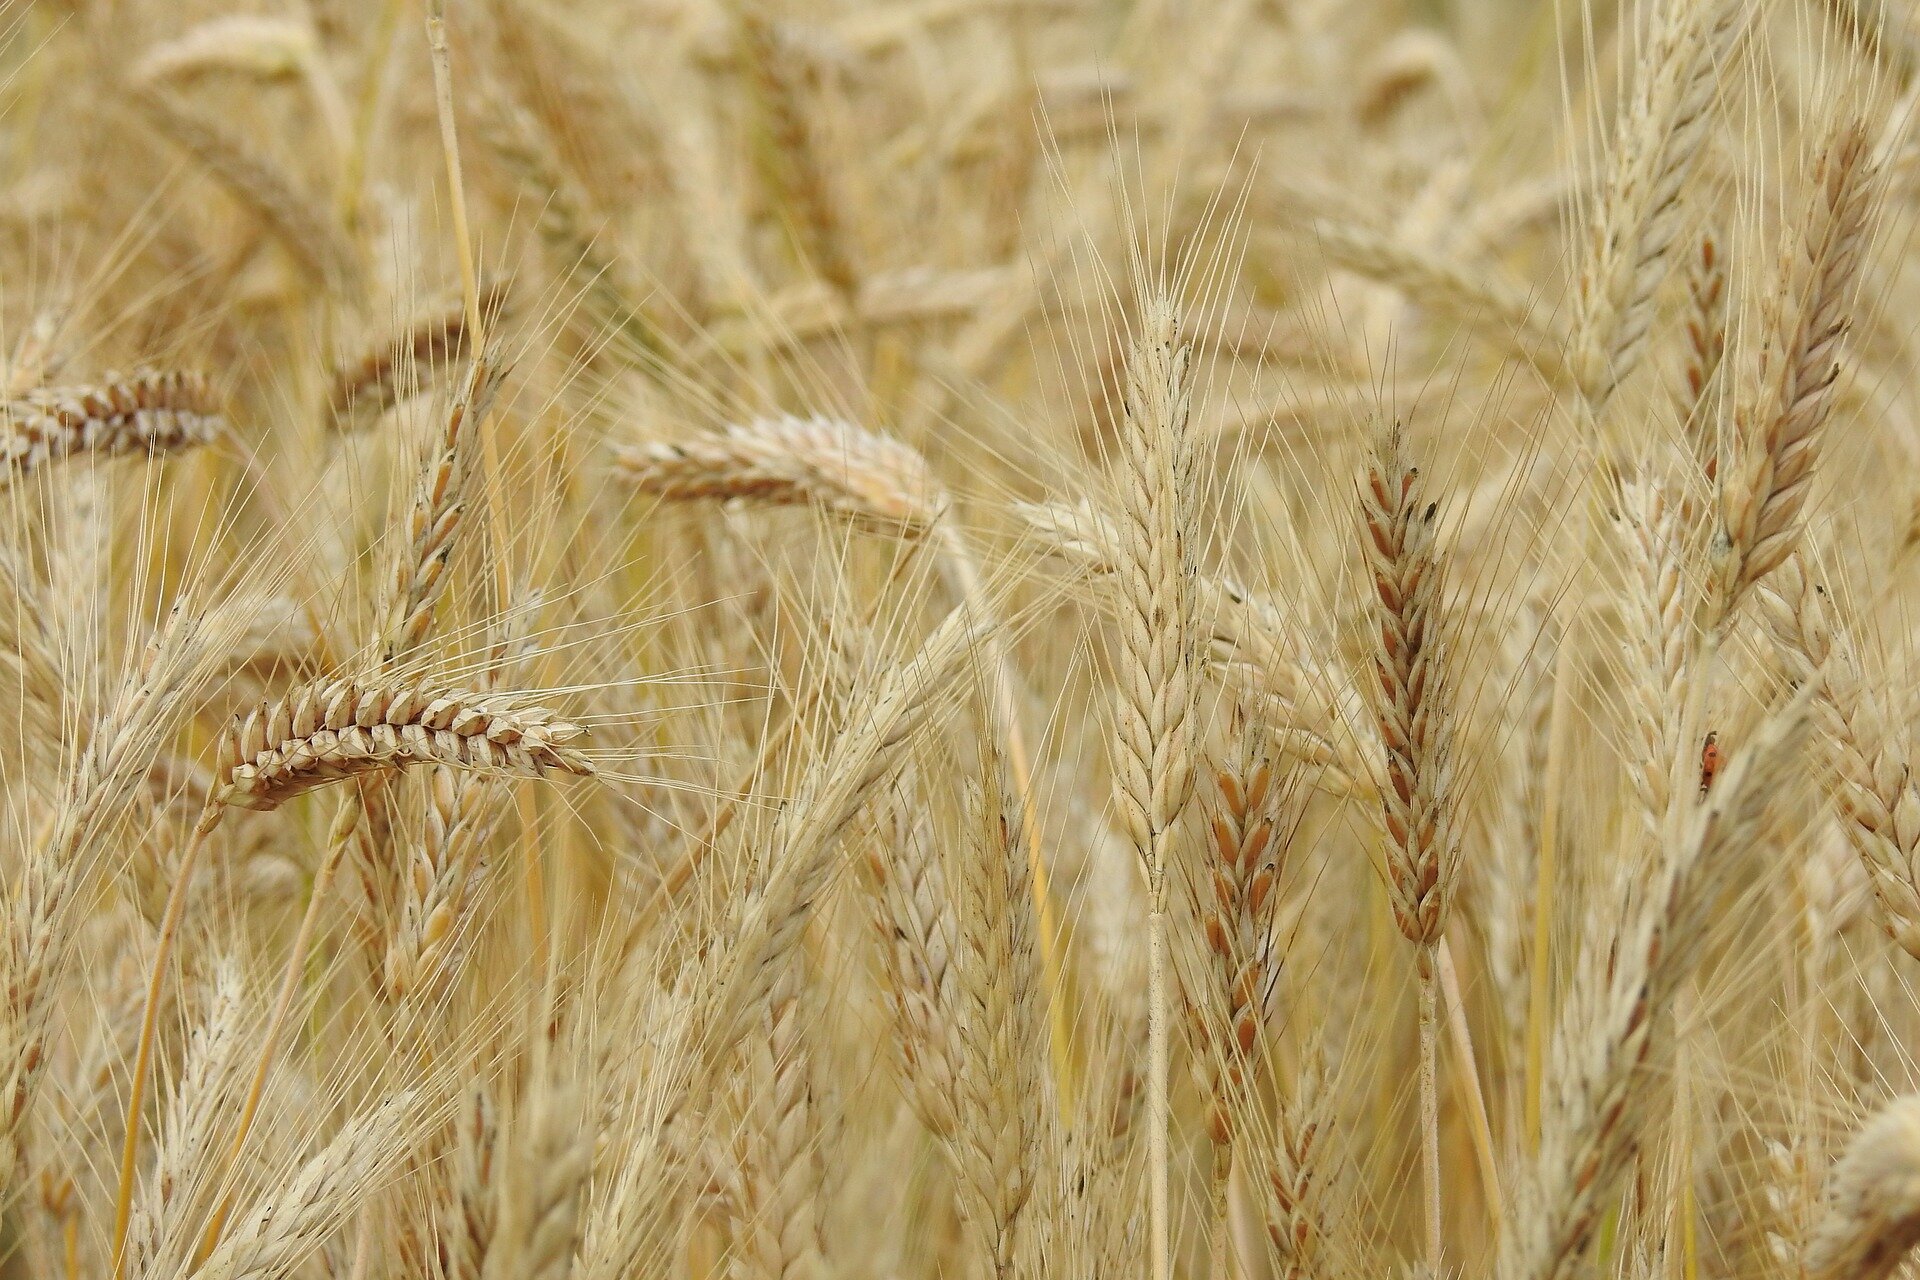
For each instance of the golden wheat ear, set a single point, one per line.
(150, 413)
(319, 734)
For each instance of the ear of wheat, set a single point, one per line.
(150, 412)
(319, 734)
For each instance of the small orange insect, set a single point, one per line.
(1709, 762)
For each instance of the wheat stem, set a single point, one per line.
(1469, 1079)
(149, 1025)
(1159, 1108)
(344, 821)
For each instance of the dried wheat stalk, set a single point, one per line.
(1249, 642)
(1412, 708)
(878, 482)
(1476, 294)
(100, 788)
(914, 914)
(789, 461)
(779, 1168)
(544, 1186)
(287, 1225)
(1237, 891)
(1153, 669)
(772, 913)
(1295, 1204)
(190, 1131)
(251, 179)
(1706, 348)
(472, 1211)
(568, 229)
(799, 156)
(434, 522)
(1870, 781)
(1661, 636)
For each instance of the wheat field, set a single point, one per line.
(896, 639)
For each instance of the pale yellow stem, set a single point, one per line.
(1159, 1115)
(149, 1023)
(1538, 1011)
(1468, 1080)
(966, 579)
(1430, 1110)
(351, 811)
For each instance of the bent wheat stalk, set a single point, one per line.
(881, 483)
(321, 734)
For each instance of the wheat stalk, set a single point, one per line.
(323, 733)
(780, 1168)
(1296, 1202)
(189, 1132)
(545, 1185)
(1413, 712)
(789, 461)
(473, 1208)
(915, 918)
(1153, 768)
(771, 914)
(1661, 637)
(878, 482)
(273, 1238)
(1237, 891)
(1249, 643)
(378, 378)
(1869, 781)
(1706, 349)
(798, 155)
(567, 227)
(102, 784)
